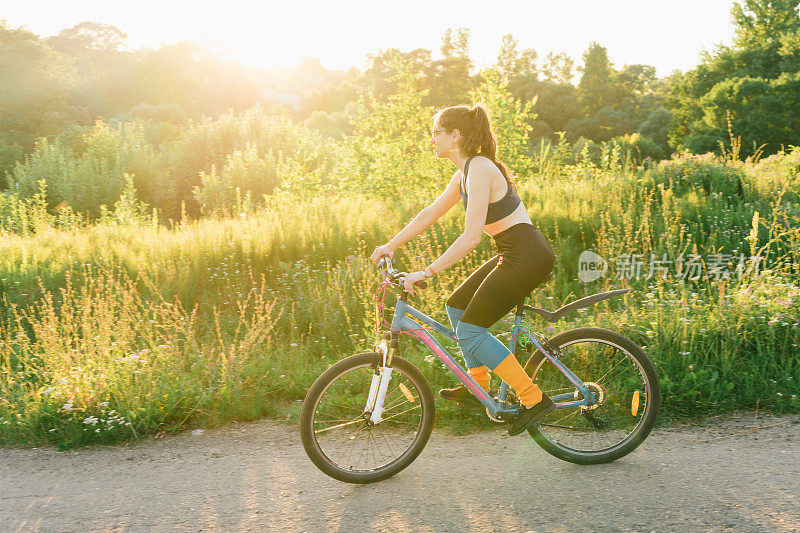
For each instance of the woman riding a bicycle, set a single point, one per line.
(524, 259)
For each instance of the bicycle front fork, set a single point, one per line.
(380, 379)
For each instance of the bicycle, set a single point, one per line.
(368, 416)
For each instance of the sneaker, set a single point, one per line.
(529, 415)
(460, 394)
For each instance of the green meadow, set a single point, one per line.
(127, 325)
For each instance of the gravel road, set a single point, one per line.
(721, 476)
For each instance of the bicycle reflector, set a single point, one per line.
(635, 403)
(406, 392)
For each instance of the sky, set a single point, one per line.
(270, 34)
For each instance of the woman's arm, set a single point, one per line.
(478, 188)
(430, 214)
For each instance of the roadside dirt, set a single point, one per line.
(721, 476)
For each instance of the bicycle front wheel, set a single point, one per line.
(625, 386)
(336, 431)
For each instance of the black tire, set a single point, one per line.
(599, 421)
(351, 373)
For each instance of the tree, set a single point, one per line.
(763, 21)
(511, 63)
(88, 36)
(558, 68)
(724, 84)
(636, 79)
(381, 76)
(656, 127)
(511, 120)
(556, 104)
(760, 112)
(35, 88)
(188, 75)
(597, 86)
(455, 44)
(106, 81)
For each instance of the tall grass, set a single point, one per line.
(118, 330)
(115, 324)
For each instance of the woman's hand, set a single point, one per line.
(381, 251)
(411, 279)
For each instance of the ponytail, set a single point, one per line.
(483, 131)
(477, 135)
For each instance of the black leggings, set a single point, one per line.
(524, 260)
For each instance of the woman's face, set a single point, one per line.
(445, 142)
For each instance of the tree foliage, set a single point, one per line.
(747, 89)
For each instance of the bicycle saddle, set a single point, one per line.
(554, 316)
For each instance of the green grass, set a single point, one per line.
(113, 331)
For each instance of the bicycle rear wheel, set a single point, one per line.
(627, 396)
(337, 433)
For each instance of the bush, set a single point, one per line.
(777, 172)
(637, 148)
(687, 173)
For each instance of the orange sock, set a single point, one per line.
(481, 376)
(510, 371)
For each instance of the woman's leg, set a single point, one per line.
(499, 292)
(459, 300)
(455, 306)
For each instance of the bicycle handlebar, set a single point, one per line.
(395, 276)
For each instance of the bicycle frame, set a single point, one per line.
(402, 321)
